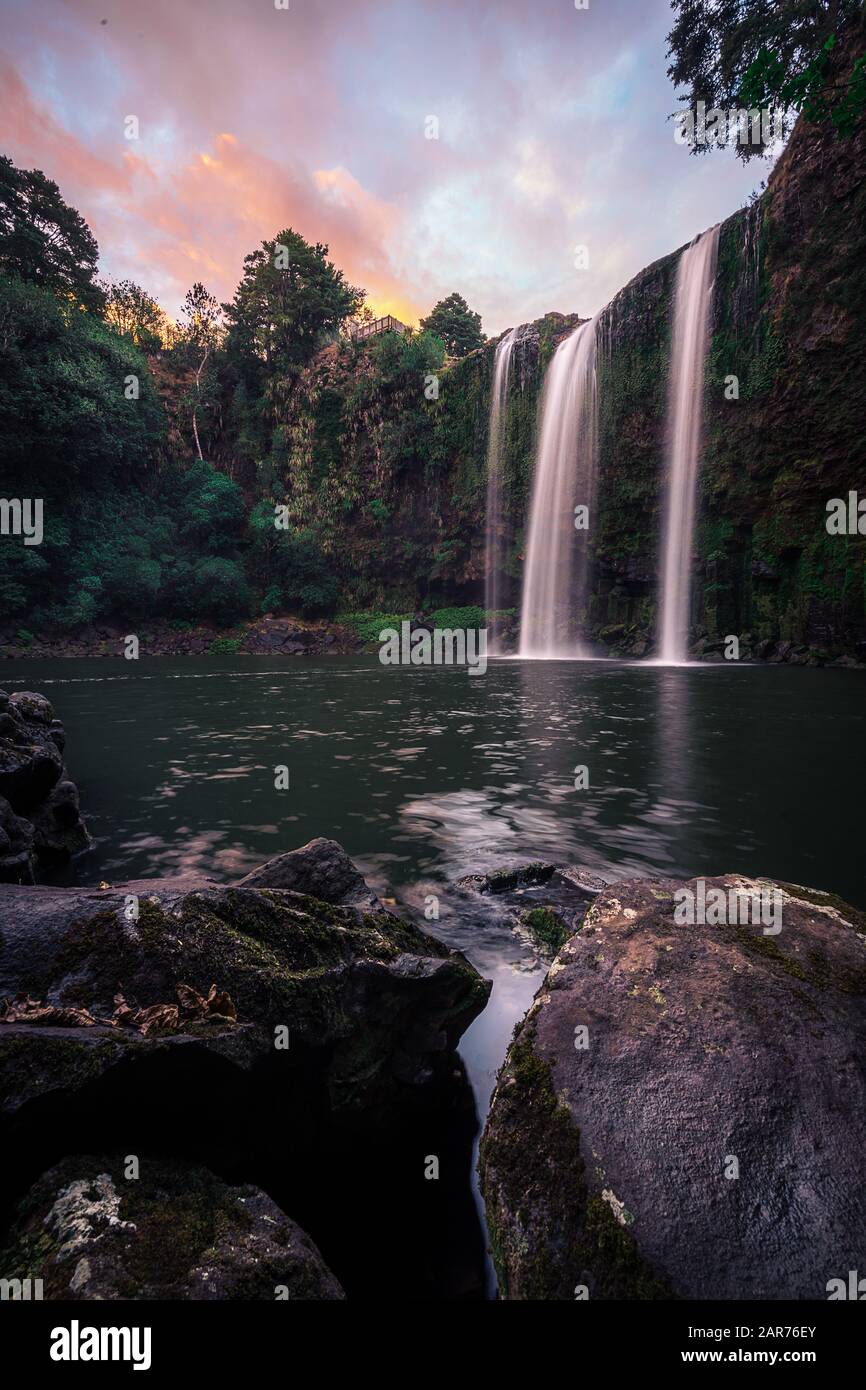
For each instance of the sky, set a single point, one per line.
(434, 145)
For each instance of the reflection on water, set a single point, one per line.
(426, 774)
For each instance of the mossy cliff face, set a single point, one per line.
(681, 1113)
(386, 457)
(780, 442)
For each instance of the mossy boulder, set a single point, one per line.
(91, 1231)
(682, 1112)
(342, 1014)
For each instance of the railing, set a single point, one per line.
(387, 324)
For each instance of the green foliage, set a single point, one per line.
(458, 326)
(397, 356)
(368, 625)
(224, 646)
(200, 320)
(23, 574)
(746, 54)
(810, 89)
(131, 310)
(290, 301)
(214, 589)
(64, 411)
(379, 509)
(211, 509)
(471, 617)
(547, 927)
(43, 241)
(290, 567)
(133, 581)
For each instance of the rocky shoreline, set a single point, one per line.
(269, 636)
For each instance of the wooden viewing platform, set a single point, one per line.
(387, 324)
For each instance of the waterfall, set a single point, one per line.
(692, 300)
(495, 535)
(557, 561)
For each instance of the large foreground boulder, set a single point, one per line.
(248, 973)
(40, 817)
(99, 1229)
(682, 1112)
(158, 1009)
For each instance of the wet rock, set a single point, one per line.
(39, 805)
(704, 1137)
(547, 902)
(30, 707)
(175, 1231)
(322, 869)
(506, 880)
(17, 857)
(340, 1013)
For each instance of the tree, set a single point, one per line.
(747, 55)
(43, 241)
(456, 324)
(210, 508)
(290, 301)
(77, 401)
(200, 327)
(131, 310)
(289, 566)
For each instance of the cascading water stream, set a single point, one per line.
(557, 560)
(495, 533)
(692, 302)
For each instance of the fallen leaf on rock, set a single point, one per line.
(157, 1018)
(23, 1009)
(191, 1007)
(219, 1004)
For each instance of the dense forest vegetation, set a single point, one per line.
(161, 449)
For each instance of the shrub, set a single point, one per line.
(471, 617)
(217, 589)
(133, 584)
(211, 507)
(369, 625)
(290, 567)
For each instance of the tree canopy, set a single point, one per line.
(290, 301)
(458, 326)
(131, 310)
(43, 241)
(76, 398)
(747, 54)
